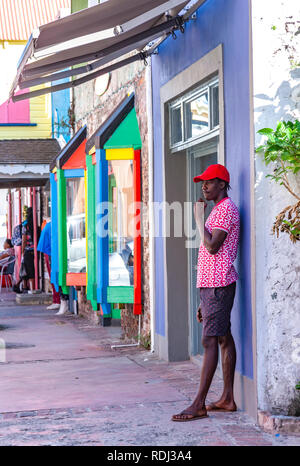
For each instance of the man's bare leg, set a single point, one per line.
(228, 356)
(210, 362)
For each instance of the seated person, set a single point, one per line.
(9, 250)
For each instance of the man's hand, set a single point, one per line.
(199, 315)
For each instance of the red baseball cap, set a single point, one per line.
(214, 171)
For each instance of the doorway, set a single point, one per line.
(198, 159)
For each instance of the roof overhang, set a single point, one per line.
(69, 149)
(23, 180)
(106, 130)
(95, 37)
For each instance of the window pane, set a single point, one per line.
(76, 225)
(176, 125)
(197, 116)
(215, 106)
(121, 222)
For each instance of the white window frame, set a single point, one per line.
(181, 102)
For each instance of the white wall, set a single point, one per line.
(9, 55)
(275, 49)
(3, 203)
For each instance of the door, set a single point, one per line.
(198, 159)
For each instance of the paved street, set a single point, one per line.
(62, 384)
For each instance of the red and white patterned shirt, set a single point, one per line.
(215, 270)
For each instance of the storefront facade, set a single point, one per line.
(24, 172)
(150, 122)
(113, 53)
(116, 153)
(96, 217)
(117, 140)
(68, 183)
(201, 115)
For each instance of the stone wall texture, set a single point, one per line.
(93, 110)
(85, 308)
(276, 89)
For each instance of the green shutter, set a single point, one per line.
(91, 232)
(120, 294)
(62, 231)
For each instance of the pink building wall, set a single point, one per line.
(18, 112)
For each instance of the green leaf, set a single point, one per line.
(289, 133)
(266, 131)
(280, 126)
(295, 231)
(274, 148)
(260, 148)
(286, 156)
(272, 139)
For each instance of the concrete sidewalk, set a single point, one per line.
(62, 384)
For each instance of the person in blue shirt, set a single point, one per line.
(44, 246)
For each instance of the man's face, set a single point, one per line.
(212, 188)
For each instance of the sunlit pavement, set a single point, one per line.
(63, 384)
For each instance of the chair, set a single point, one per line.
(7, 266)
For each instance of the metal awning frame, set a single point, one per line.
(160, 31)
(110, 33)
(109, 55)
(71, 84)
(89, 77)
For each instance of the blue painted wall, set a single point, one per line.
(60, 106)
(226, 22)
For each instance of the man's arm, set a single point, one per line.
(212, 242)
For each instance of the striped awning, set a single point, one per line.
(96, 39)
(18, 18)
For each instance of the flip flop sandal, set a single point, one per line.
(192, 418)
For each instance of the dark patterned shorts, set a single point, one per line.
(216, 305)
